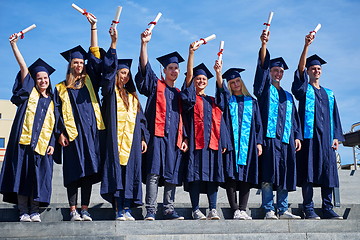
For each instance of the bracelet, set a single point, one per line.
(94, 29)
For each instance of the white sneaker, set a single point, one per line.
(75, 216)
(85, 215)
(288, 215)
(271, 215)
(241, 215)
(25, 218)
(35, 217)
(213, 215)
(128, 216)
(198, 215)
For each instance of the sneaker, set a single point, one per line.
(173, 215)
(128, 216)
(288, 215)
(85, 215)
(120, 216)
(213, 215)
(75, 216)
(330, 214)
(35, 217)
(198, 215)
(271, 215)
(150, 216)
(25, 218)
(241, 215)
(310, 214)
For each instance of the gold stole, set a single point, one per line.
(47, 127)
(125, 125)
(67, 112)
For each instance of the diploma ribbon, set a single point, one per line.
(152, 23)
(21, 35)
(87, 14)
(267, 24)
(116, 22)
(205, 42)
(220, 52)
(312, 32)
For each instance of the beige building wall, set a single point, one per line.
(7, 114)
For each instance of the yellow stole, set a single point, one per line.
(47, 127)
(67, 112)
(125, 125)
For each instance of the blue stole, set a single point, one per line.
(310, 112)
(273, 114)
(241, 143)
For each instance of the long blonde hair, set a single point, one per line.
(72, 81)
(244, 90)
(124, 89)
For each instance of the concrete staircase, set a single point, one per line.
(55, 224)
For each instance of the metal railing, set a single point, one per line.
(355, 147)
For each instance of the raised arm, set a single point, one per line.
(94, 36)
(145, 39)
(218, 70)
(264, 39)
(308, 40)
(190, 63)
(19, 58)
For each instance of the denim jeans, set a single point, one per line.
(211, 191)
(308, 192)
(152, 182)
(268, 198)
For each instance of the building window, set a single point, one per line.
(2, 142)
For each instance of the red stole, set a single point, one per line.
(199, 124)
(160, 115)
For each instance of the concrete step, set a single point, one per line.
(186, 229)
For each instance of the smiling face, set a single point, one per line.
(314, 72)
(42, 81)
(172, 71)
(78, 65)
(200, 81)
(276, 73)
(123, 75)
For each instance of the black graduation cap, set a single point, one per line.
(314, 60)
(40, 66)
(76, 52)
(173, 57)
(278, 62)
(232, 73)
(124, 63)
(201, 69)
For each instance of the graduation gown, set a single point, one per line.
(316, 161)
(278, 163)
(115, 176)
(206, 164)
(81, 158)
(163, 157)
(249, 172)
(24, 171)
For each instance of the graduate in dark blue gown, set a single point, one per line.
(282, 133)
(322, 131)
(26, 172)
(208, 138)
(242, 117)
(167, 136)
(80, 124)
(126, 135)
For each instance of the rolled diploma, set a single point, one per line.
(158, 16)
(82, 11)
(116, 19)
(24, 31)
(269, 21)
(221, 49)
(209, 38)
(316, 29)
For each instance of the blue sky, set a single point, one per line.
(237, 22)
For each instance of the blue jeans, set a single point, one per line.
(268, 198)
(211, 191)
(308, 192)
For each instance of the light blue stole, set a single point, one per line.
(241, 133)
(273, 114)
